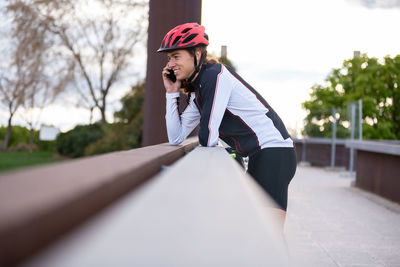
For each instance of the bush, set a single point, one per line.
(50, 146)
(74, 142)
(127, 132)
(118, 136)
(18, 135)
(112, 140)
(23, 147)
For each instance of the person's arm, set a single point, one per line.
(180, 126)
(215, 94)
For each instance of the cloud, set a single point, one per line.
(377, 3)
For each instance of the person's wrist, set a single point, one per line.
(172, 95)
(172, 90)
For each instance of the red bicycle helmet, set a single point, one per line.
(184, 36)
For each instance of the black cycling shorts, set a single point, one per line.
(273, 168)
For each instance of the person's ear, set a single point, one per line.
(198, 54)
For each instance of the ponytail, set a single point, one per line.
(209, 58)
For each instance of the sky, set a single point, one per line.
(281, 48)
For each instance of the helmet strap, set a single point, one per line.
(196, 66)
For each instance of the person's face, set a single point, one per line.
(181, 62)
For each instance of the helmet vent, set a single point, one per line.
(188, 35)
(186, 30)
(176, 39)
(189, 38)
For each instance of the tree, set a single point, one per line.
(11, 95)
(30, 78)
(132, 104)
(226, 61)
(126, 133)
(99, 36)
(374, 81)
(18, 73)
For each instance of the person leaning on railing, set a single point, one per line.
(226, 107)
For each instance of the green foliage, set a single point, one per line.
(18, 135)
(50, 146)
(111, 140)
(376, 82)
(127, 132)
(131, 104)
(74, 142)
(227, 62)
(96, 138)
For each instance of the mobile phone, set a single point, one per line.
(171, 75)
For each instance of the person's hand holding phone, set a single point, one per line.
(168, 76)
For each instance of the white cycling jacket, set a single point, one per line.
(228, 108)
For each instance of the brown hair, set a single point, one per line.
(209, 58)
(187, 87)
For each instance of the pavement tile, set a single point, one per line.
(352, 256)
(331, 223)
(363, 265)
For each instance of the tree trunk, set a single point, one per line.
(32, 132)
(8, 135)
(103, 115)
(91, 115)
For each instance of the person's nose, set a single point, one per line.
(171, 64)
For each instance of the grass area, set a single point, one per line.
(13, 160)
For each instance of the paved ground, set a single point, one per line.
(331, 223)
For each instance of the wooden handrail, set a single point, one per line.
(202, 211)
(38, 205)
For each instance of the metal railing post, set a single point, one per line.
(333, 149)
(360, 131)
(352, 126)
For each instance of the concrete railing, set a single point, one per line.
(38, 205)
(378, 167)
(204, 210)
